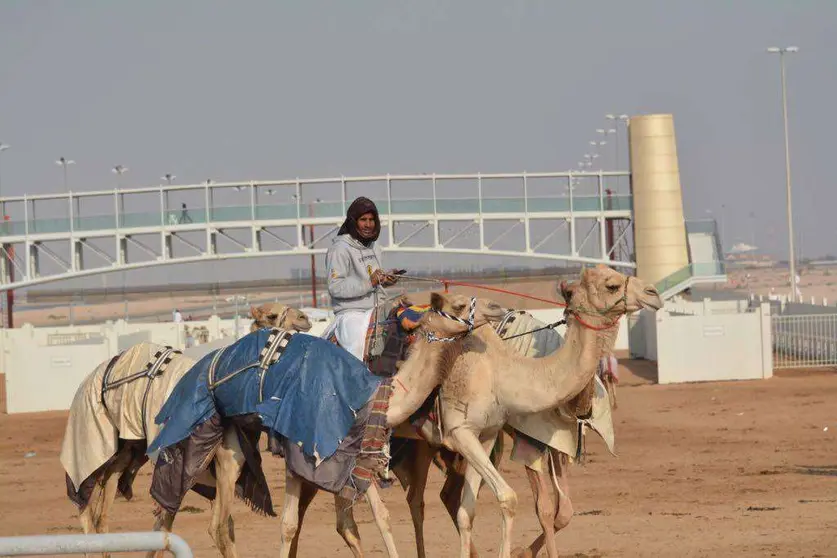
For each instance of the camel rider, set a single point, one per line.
(355, 275)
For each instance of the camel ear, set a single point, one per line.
(437, 301)
(566, 291)
(255, 312)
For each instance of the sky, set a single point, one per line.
(269, 90)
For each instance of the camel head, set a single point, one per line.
(459, 306)
(603, 291)
(275, 314)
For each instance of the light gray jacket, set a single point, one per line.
(348, 263)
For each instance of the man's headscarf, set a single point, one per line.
(359, 207)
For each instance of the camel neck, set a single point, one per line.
(547, 382)
(416, 379)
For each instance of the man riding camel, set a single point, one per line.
(355, 275)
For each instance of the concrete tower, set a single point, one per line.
(659, 227)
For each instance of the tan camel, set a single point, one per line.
(485, 384)
(529, 337)
(117, 473)
(454, 317)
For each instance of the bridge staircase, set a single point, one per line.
(706, 260)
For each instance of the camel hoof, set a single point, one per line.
(522, 553)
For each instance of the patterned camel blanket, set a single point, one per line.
(116, 404)
(302, 388)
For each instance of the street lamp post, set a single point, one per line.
(168, 177)
(62, 162)
(10, 250)
(3, 147)
(119, 170)
(623, 118)
(313, 257)
(598, 145)
(782, 51)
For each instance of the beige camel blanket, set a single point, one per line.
(558, 430)
(94, 427)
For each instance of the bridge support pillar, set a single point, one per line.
(5, 266)
(122, 250)
(33, 260)
(78, 255)
(659, 226)
(167, 251)
(257, 240)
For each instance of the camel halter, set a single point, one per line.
(281, 319)
(581, 310)
(431, 337)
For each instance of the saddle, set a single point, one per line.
(388, 336)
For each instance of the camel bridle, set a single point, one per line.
(432, 337)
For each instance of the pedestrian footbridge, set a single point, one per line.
(579, 217)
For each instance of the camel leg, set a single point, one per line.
(229, 461)
(290, 513)
(480, 466)
(544, 511)
(560, 464)
(89, 516)
(382, 518)
(451, 493)
(346, 526)
(415, 494)
(164, 522)
(559, 467)
(306, 496)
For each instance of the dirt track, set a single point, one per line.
(715, 469)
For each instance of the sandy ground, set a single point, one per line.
(712, 469)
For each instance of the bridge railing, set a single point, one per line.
(289, 211)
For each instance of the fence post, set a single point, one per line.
(766, 340)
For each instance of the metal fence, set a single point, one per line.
(804, 341)
(42, 545)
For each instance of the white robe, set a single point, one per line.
(350, 327)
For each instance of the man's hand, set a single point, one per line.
(379, 277)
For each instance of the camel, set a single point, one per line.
(529, 337)
(103, 458)
(412, 470)
(485, 384)
(453, 318)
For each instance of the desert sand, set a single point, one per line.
(713, 469)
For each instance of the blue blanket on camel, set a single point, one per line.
(310, 393)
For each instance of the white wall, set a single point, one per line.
(42, 378)
(44, 366)
(710, 345)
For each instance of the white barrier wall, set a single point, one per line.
(46, 380)
(44, 366)
(707, 341)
